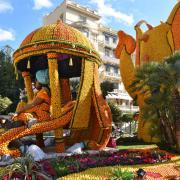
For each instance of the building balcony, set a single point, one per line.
(80, 24)
(82, 9)
(120, 91)
(109, 76)
(107, 29)
(127, 109)
(110, 60)
(112, 74)
(118, 96)
(123, 101)
(109, 44)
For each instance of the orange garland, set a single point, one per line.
(28, 85)
(44, 126)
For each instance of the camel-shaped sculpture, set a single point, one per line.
(66, 53)
(153, 45)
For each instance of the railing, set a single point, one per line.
(82, 7)
(108, 43)
(111, 74)
(110, 59)
(126, 108)
(120, 91)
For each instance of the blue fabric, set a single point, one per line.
(42, 76)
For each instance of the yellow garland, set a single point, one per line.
(83, 106)
(55, 96)
(18, 57)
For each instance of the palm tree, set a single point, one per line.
(155, 82)
(174, 67)
(159, 82)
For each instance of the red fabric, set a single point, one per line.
(153, 174)
(112, 143)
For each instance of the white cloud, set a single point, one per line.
(6, 35)
(5, 6)
(39, 4)
(106, 10)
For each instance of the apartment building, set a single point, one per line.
(104, 40)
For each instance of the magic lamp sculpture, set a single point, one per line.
(153, 45)
(67, 53)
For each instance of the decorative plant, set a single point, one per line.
(122, 175)
(25, 167)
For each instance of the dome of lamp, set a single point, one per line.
(59, 38)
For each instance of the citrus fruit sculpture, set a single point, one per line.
(152, 45)
(66, 53)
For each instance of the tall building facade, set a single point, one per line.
(104, 40)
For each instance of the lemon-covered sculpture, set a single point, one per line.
(66, 53)
(152, 45)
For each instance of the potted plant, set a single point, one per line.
(24, 168)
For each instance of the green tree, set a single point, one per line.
(106, 87)
(9, 85)
(128, 118)
(4, 104)
(116, 113)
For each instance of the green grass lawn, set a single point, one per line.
(151, 146)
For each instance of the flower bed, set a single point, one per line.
(64, 165)
(77, 163)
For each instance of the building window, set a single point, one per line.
(107, 51)
(116, 70)
(82, 18)
(94, 37)
(106, 38)
(61, 17)
(85, 32)
(115, 85)
(114, 40)
(107, 67)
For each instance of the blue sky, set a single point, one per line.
(19, 17)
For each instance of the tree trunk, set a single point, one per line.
(171, 127)
(176, 101)
(167, 132)
(166, 129)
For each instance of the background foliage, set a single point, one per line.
(9, 86)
